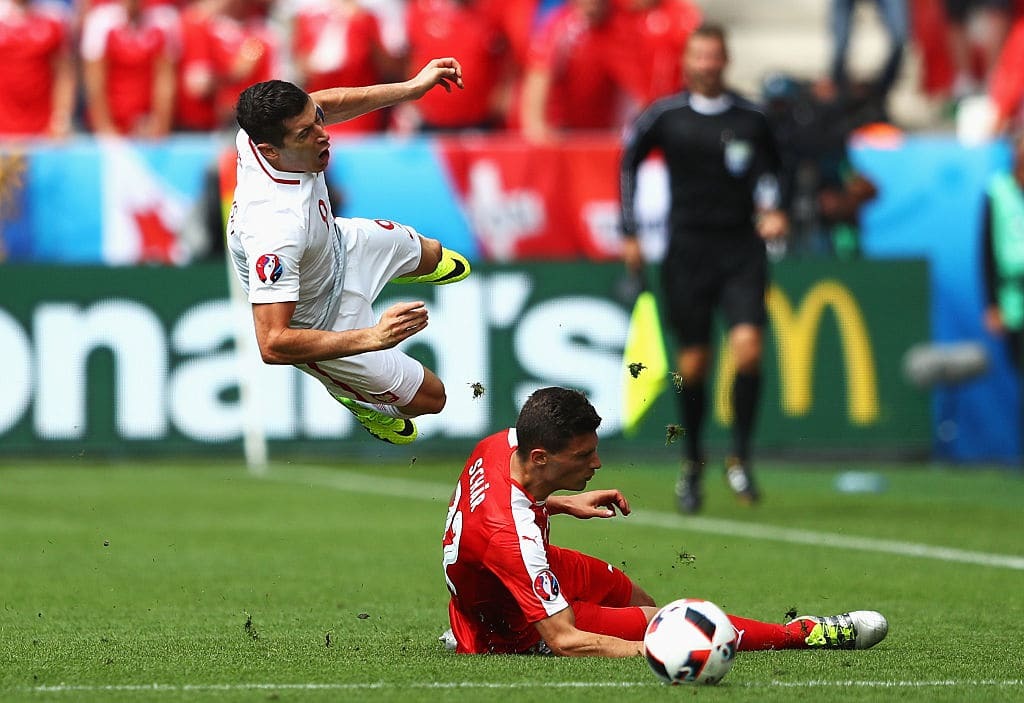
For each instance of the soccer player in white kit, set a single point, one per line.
(311, 277)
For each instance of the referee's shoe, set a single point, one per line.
(741, 481)
(689, 491)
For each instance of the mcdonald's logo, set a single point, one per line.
(795, 332)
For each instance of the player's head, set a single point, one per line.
(705, 59)
(285, 125)
(557, 428)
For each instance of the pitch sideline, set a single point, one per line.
(355, 482)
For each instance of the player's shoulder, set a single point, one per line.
(260, 216)
(667, 105)
(497, 445)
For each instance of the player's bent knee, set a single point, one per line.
(640, 597)
(430, 399)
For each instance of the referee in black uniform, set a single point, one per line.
(722, 162)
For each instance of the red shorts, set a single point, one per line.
(598, 594)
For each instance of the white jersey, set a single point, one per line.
(283, 239)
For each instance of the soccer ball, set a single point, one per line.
(690, 641)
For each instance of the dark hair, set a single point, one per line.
(262, 109)
(711, 30)
(551, 417)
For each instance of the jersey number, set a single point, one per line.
(452, 536)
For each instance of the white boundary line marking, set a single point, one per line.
(381, 685)
(354, 482)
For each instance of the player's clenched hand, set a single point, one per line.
(399, 322)
(442, 72)
(602, 503)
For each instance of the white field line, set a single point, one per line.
(353, 482)
(509, 685)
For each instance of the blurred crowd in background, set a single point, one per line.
(146, 68)
(535, 69)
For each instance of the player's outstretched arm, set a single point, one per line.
(280, 344)
(340, 104)
(560, 633)
(601, 503)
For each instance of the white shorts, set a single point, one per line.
(376, 251)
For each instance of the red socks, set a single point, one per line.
(766, 635)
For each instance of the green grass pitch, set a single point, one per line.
(166, 582)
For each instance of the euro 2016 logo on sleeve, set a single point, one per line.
(269, 268)
(546, 586)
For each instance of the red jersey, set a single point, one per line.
(517, 22)
(471, 32)
(131, 51)
(31, 40)
(578, 57)
(651, 48)
(337, 49)
(232, 40)
(1006, 87)
(193, 101)
(495, 556)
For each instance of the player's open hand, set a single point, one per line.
(443, 72)
(401, 321)
(602, 503)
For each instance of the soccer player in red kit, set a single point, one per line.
(513, 592)
(39, 78)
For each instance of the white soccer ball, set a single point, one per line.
(690, 641)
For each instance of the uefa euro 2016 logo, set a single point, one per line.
(269, 268)
(546, 586)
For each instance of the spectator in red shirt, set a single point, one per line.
(654, 34)
(196, 78)
(39, 79)
(470, 31)
(338, 42)
(517, 18)
(1006, 88)
(569, 82)
(243, 50)
(961, 50)
(129, 68)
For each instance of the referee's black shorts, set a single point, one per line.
(709, 271)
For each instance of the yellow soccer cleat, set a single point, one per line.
(452, 268)
(393, 430)
(858, 629)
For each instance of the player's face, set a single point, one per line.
(306, 144)
(576, 464)
(704, 63)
